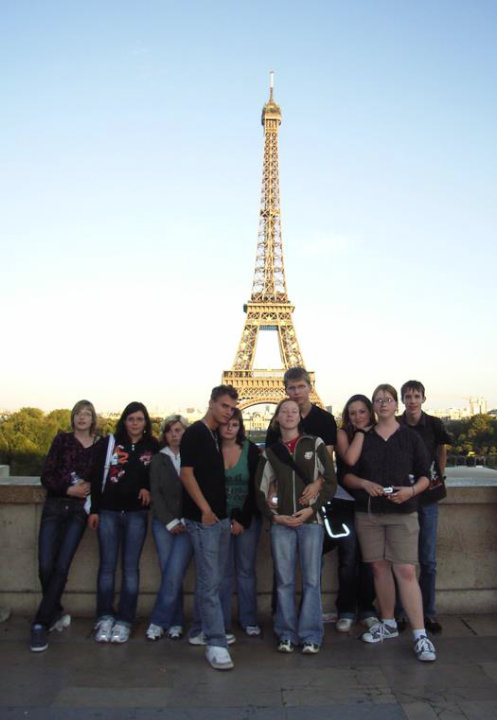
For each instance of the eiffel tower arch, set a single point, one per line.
(269, 309)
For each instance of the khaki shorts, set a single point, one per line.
(388, 536)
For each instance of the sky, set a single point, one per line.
(131, 165)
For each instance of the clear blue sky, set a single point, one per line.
(131, 154)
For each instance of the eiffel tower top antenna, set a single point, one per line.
(269, 275)
(268, 308)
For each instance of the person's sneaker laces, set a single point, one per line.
(38, 638)
(379, 632)
(285, 646)
(60, 624)
(218, 658)
(154, 632)
(120, 633)
(253, 630)
(424, 649)
(175, 632)
(309, 648)
(103, 630)
(344, 625)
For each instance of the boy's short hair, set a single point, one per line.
(296, 373)
(415, 385)
(220, 390)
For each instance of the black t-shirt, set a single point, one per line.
(317, 422)
(432, 432)
(199, 450)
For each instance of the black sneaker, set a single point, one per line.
(38, 638)
(433, 626)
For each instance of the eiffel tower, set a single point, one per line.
(268, 308)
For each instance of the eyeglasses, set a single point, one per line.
(384, 401)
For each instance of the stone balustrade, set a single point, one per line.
(467, 559)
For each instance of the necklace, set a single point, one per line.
(213, 435)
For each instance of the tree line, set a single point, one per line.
(26, 436)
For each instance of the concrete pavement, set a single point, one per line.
(77, 679)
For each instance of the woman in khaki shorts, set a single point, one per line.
(390, 472)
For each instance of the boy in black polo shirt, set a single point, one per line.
(204, 510)
(435, 438)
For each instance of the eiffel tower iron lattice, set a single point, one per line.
(268, 308)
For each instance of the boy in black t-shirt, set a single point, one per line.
(204, 509)
(435, 438)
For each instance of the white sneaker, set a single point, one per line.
(120, 633)
(60, 624)
(175, 632)
(344, 625)
(154, 632)
(197, 639)
(368, 622)
(379, 632)
(219, 658)
(253, 630)
(329, 617)
(200, 639)
(104, 630)
(424, 649)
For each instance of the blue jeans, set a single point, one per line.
(119, 528)
(174, 553)
(428, 527)
(211, 547)
(241, 565)
(285, 541)
(63, 523)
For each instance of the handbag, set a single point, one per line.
(436, 490)
(332, 530)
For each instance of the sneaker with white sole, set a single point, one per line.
(329, 617)
(103, 630)
(309, 648)
(424, 649)
(285, 646)
(201, 639)
(219, 658)
(344, 624)
(62, 622)
(175, 632)
(38, 641)
(154, 632)
(379, 632)
(253, 630)
(368, 622)
(120, 633)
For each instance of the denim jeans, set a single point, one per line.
(211, 547)
(63, 523)
(241, 568)
(285, 541)
(356, 592)
(428, 527)
(174, 553)
(126, 530)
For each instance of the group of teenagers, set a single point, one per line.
(208, 488)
